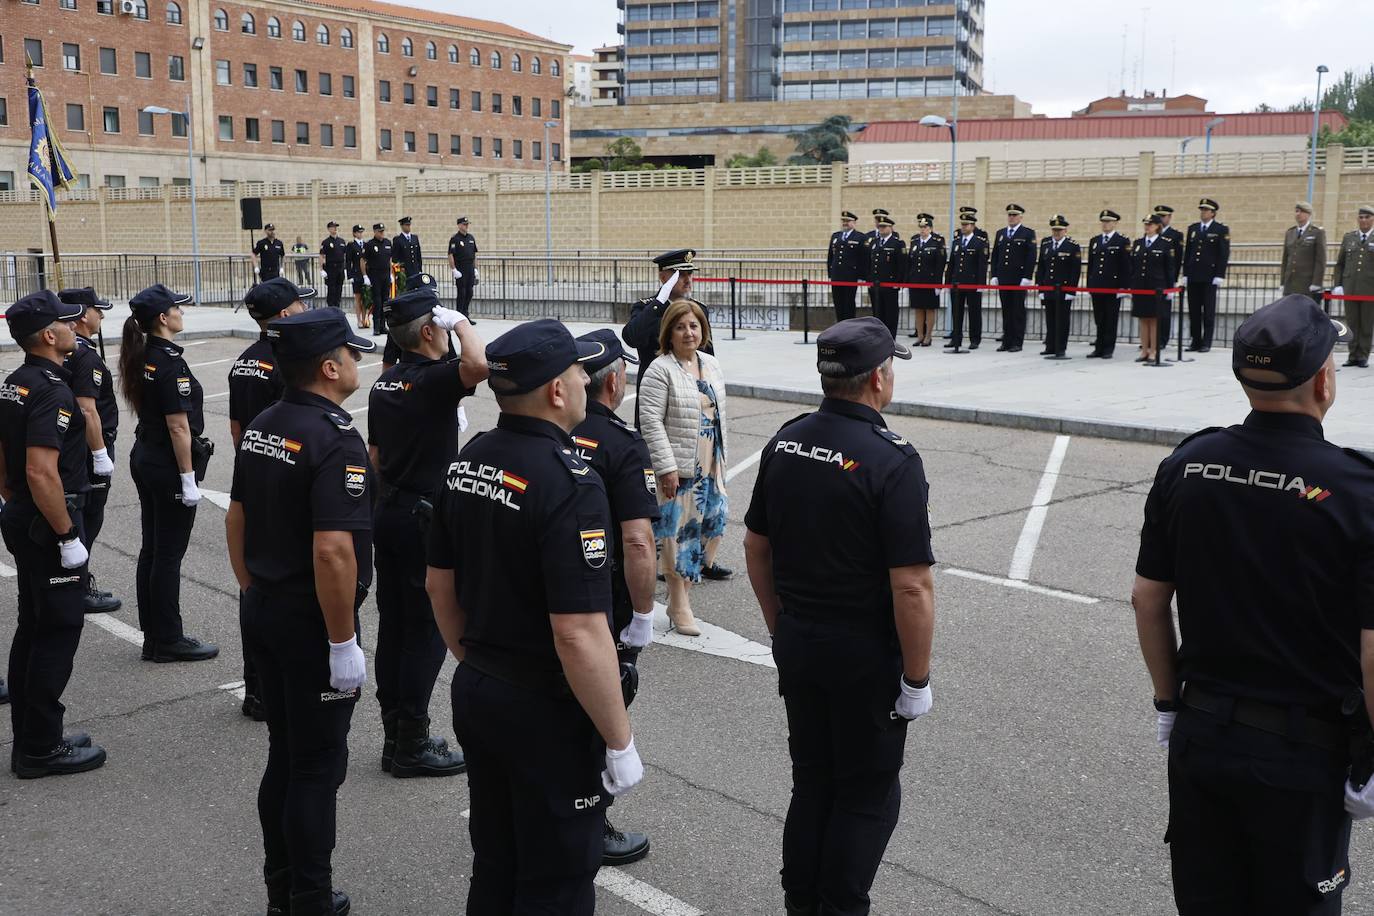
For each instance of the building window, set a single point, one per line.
(302, 81)
(250, 75)
(384, 90)
(431, 51)
(515, 63)
(408, 93)
(278, 131)
(535, 66)
(496, 60)
(76, 116)
(350, 137)
(453, 54)
(556, 150)
(104, 7)
(179, 125)
(322, 34)
(535, 105)
(141, 10)
(247, 25)
(173, 12)
(345, 38)
(33, 47)
(176, 68)
(114, 181)
(143, 65)
(455, 145)
(4, 112)
(536, 150)
(6, 179)
(454, 98)
(251, 130)
(148, 181)
(221, 21)
(556, 107)
(555, 68)
(326, 84)
(298, 31)
(476, 102)
(433, 143)
(326, 135)
(515, 105)
(226, 127)
(302, 133)
(409, 140)
(67, 4)
(477, 146)
(273, 27)
(349, 87)
(407, 47)
(109, 61)
(517, 149)
(432, 96)
(496, 103)
(496, 148)
(384, 139)
(383, 43)
(475, 58)
(222, 73)
(274, 78)
(111, 118)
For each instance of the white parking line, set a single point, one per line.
(8, 572)
(211, 397)
(217, 497)
(213, 362)
(117, 627)
(743, 466)
(1020, 585)
(713, 640)
(234, 688)
(1024, 553)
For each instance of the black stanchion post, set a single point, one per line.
(734, 323)
(956, 324)
(806, 312)
(1162, 313)
(1181, 358)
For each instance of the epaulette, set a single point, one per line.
(1361, 456)
(342, 422)
(53, 377)
(1201, 432)
(580, 470)
(896, 439)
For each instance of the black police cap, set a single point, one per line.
(411, 304)
(268, 298)
(311, 333)
(1292, 337)
(614, 350)
(357, 227)
(678, 259)
(155, 300)
(421, 279)
(405, 221)
(462, 220)
(859, 345)
(534, 353)
(84, 296)
(330, 224)
(379, 227)
(36, 311)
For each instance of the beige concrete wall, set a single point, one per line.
(938, 149)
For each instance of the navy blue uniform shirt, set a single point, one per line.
(91, 379)
(255, 383)
(168, 388)
(37, 407)
(413, 421)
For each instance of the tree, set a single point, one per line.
(764, 157)
(624, 155)
(1352, 94)
(823, 144)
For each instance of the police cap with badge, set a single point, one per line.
(415, 302)
(269, 298)
(156, 300)
(309, 334)
(614, 350)
(534, 354)
(857, 345)
(1292, 337)
(679, 259)
(34, 312)
(84, 296)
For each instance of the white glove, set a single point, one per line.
(1164, 727)
(101, 462)
(448, 319)
(324, 277)
(1360, 805)
(1338, 290)
(457, 274)
(74, 554)
(367, 281)
(190, 493)
(462, 419)
(993, 282)
(1027, 283)
(1313, 289)
(666, 290)
(476, 277)
(623, 770)
(1122, 295)
(640, 631)
(1216, 281)
(255, 270)
(347, 665)
(913, 702)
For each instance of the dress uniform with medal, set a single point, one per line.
(926, 259)
(333, 264)
(845, 260)
(462, 260)
(376, 262)
(405, 250)
(1109, 267)
(968, 265)
(1060, 264)
(1206, 255)
(1174, 238)
(1355, 277)
(1012, 264)
(887, 263)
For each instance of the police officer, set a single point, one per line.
(333, 264)
(301, 486)
(621, 458)
(353, 263)
(1152, 268)
(405, 250)
(1109, 267)
(167, 461)
(1206, 254)
(1355, 277)
(886, 264)
(852, 615)
(93, 387)
(268, 254)
(1262, 531)
(845, 262)
(675, 270)
(44, 477)
(968, 264)
(412, 439)
(519, 577)
(1175, 238)
(978, 230)
(1060, 264)
(462, 260)
(1013, 264)
(879, 214)
(376, 264)
(926, 261)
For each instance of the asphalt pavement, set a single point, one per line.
(1033, 787)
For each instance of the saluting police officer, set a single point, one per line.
(519, 577)
(621, 458)
(1263, 532)
(354, 265)
(1206, 255)
(886, 264)
(405, 250)
(268, 254)
(44, 478)
(93, 388)
(852, 615)
(675, 270)
(968, 264)
(462, 260)
(301, 486)
(1109, 267)
(333, 264)
(412, 439)
(1060, 264)
(1175, 238)
(845, 262)
(1355, 277)
(1013, 264)
(925, 264)
(376, 261)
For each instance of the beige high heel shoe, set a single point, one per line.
(682, 621)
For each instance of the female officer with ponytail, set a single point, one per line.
(168, 457)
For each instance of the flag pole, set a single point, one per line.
(53, 172)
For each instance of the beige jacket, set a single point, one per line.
(670, 412)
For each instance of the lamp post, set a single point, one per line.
(939, 121)
(191, 162)
(1316, 117)
(548, 203)
(1207, 141)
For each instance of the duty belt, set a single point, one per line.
(1293, 722)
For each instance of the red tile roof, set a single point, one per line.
(1249, 124)
(415, 14)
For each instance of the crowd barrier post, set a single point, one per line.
(734, 322)
(1162, 313)
(1182, 291)
(806, 312)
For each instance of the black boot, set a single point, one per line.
(388, 740)
(60, 761)
(793, 908)
(313, 904)
(623, 848)
(417, 754)
(98, 602)
(278, 892)
(252, 708)
(184, 649)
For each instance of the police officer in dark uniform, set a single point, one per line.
(412, 439)
(462, 260)
(268, 254)
(845, 261)
(299, 530)
(1263, 532)
(44, 478)
(886, 264)
(333, 264)
(405, 250)
(1060, 264)
(926, 259)
(376, 264)
(520, 561)
(621, 458)
(879, 214)
(1013, 264)
(93, 387)
(1109, 267)
(1152, 268)
(977, 229)
(1206, 255)
(675, 270)
(968, 264)
(353, 263)
(1174, 238)
(852, 615)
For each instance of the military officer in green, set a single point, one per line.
(1304, 254)
(1355, 277)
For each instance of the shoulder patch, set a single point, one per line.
(1201, 432)
(896, 439)
(1361, 456)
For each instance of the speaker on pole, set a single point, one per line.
(250, 213)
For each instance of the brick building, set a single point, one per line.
(340, 90)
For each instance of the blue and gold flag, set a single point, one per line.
(48, 166)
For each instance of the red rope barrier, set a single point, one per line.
(978, 286)
(1348, 298)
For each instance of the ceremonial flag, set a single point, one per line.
(48, 166)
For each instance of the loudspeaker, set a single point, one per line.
(250, 213)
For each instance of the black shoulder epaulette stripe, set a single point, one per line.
(800, 416)
(1201, 432)
(339, 420)
(579, 469)
(895, 438)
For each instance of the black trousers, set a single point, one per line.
(307, 741)
(93, 514)
(1013, 318)
(464, 285)
(885, 302)
(970, 301)
(166, 533)
(1106, 315)
(842, 297)
(268, 273)
(839, 687)
(1256, 822)
(410, 650)
(381, 291)
(538, 805)
(47, 632)
(1057, 314)
(1166, 320)
(1202, 313)
(334, 281)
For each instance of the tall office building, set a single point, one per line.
(795, 50)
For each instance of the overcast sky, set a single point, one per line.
(1061, 54)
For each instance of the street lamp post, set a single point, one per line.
(191, 162)
(1207, 141)
(548, 203)
(1316, 117)
(939, 121)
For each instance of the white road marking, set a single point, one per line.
(743, 466)
(236, 688)
(713, 640)
(1021, 585)
(196, 343)
(1024, 553)
(117, 627)
(8, 572)
(211, 397)
(217, 497)
(213, 362)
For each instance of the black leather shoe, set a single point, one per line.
(1059, 356)
(62, 760)
(1193, 348)
(973, 346)
(1105, 355)
(1046, 352)
(99, 602)
(419, 754)
(717, 573)
(951, 346)
(185, 649)
(1002, 348)
(913, 334)
(1096, 354)
(1351, 362)
(1363, 364)
(1013, 349)
(792, 908)
(252, 708)
(623, 848)
(339, 904)
(1204, 349)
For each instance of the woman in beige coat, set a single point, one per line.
(682, 418)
